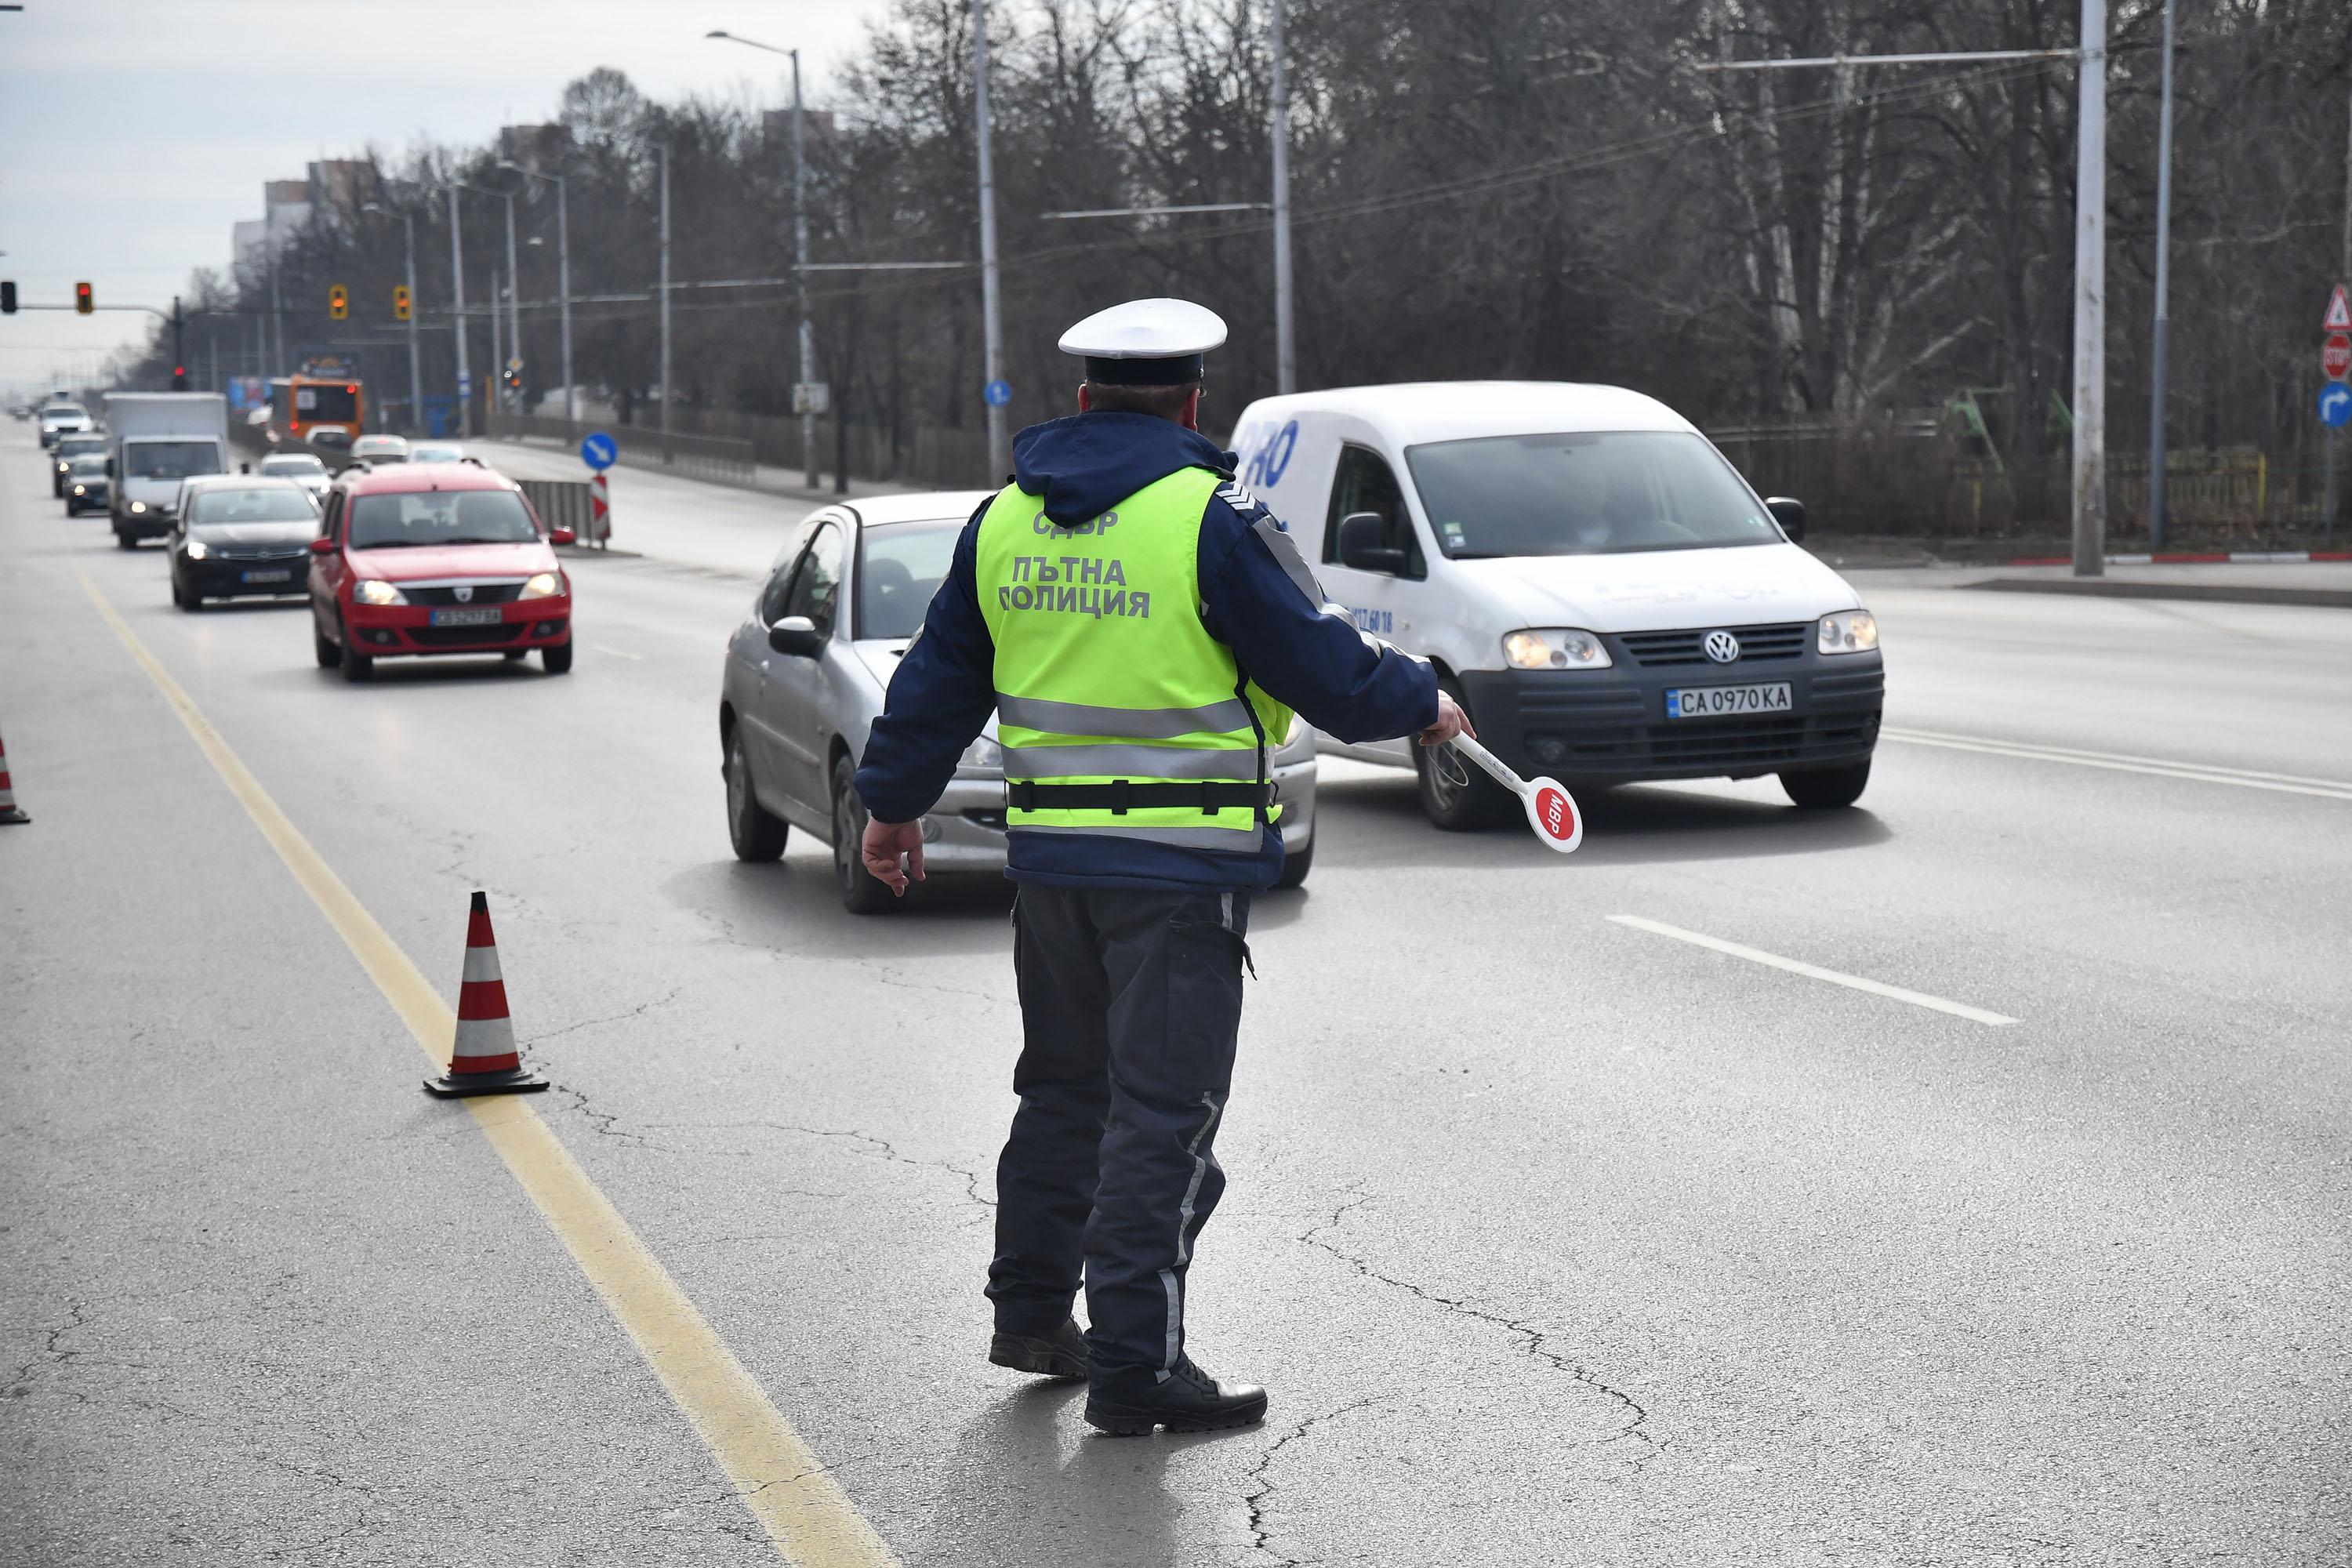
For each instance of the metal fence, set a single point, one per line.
(565, 503)
(713, 458)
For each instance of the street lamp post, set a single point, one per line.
(800, 250)
(991, 321)
(562, 277)
(1286, 356)
(514, 307)
(457, 282)
(664, 293)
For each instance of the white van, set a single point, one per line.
(1596, 584)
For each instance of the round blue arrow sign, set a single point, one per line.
(600, 451)
(999, 393)
(2335, 403)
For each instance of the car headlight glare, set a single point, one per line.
(197, 550)
(376, 591)
(983, 753)
(139, 506)
(79, 491)
(1555, 647)
(544, 586)
(1848, 631)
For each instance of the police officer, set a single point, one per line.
(1143, 628)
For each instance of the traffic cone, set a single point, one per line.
(484, 1060)
(8, 812)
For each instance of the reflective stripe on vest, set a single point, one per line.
(1106, 673)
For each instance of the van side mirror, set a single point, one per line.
(796, 635)
(109, 467)
(1361, 547)
(1790, 514)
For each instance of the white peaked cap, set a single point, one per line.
(1168, 330)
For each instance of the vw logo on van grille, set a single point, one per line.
(465, 593)
(1722, 647)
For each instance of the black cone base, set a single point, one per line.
(12, 815)
(458, 1085)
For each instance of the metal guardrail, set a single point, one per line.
(696, 457)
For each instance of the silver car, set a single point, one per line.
(806, 677)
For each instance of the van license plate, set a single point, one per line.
(282, 576)
(1726, 701)
(488, 617)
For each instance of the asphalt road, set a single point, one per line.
(1557, 1239)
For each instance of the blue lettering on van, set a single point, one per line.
(1379, 623)
(1271, 456)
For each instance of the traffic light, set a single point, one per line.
(179, 378)
(82, 300)
(339, 302)
(8, 297)
(400, 301)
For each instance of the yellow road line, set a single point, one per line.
(806, 1514)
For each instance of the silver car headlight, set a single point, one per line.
(139, 506)
(376, 591)
(1560, 647)
(198, 550)
(544, 586)
(1848, 631)
(982, 752)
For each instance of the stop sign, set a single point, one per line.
(2336, 356)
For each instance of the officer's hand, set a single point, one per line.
(885, 842)
(1451, 721)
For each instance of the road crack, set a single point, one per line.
(1261, 1534)
(636, 1012)
(1532, 1340)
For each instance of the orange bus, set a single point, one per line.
(321, 411)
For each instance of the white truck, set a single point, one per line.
(154, 440)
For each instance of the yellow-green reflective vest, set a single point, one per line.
(1105, 673)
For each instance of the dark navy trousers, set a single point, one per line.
(1130, 1001)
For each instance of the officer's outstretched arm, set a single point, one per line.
(939, 699)
(1260, 599)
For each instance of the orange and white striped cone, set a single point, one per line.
(8, 812)
(484, 1059)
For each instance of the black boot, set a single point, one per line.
(1062, 1354)
(1188, 1401)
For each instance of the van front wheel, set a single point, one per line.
(1826, 789)
(1455, 794)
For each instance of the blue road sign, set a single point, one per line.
(465, 385)
(600, 451)
(2336, 403)
(998, 393)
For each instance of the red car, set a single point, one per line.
(436, 558)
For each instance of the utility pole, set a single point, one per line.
(415, 355)
(179, 354)
(800, 266)
(497, 361)
(457, 278)
(1286, 353)
(664, 289)
(563, 289)
(992, 325)
(277, 305)
(2090, 466)
(2342, 276)
(2156, 398)
(514, 308)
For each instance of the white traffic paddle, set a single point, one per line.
(1551, 810)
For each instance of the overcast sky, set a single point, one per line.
(139, 131)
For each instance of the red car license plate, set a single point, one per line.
(488, 617)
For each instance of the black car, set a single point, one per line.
(69, 449)
(84, 483)
(240, 536)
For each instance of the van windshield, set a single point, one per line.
(1600, 493)
(171, 459)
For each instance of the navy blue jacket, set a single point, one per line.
(1258, 598)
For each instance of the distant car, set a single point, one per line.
(63, 419)
(304, 468)
(85, 485)
(240, 534)
(436, 452)
(380, 450)
(804, 677)
(440, 560)
(68, 447)
(332, 440)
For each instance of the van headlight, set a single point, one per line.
(1848, 631)
(197, 550)
(544, 586)
(139, 506)
(376, 591)
(80, 492)
(1555, 647)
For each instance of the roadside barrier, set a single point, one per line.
(570, 503)
(8, 812)
(484, 1059)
